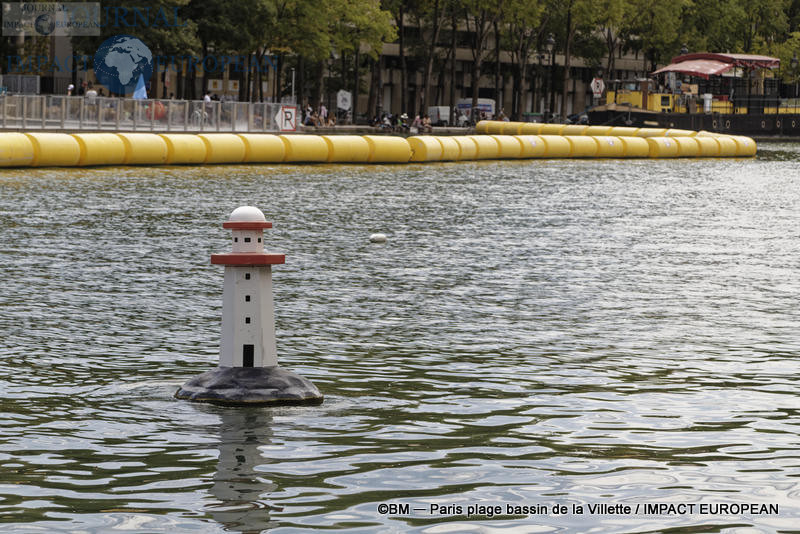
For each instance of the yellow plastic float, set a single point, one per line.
(451, 150)
(223, 147)
(144, 149)
(184, 149)
(486, 145)
(263, 148)
(347, 148)
(468, 148)
(532, 146)
(582, 146)
(16, 150)
(54, 150)
(508, 146)
(609, 146)
(635, 147)
(556, 146)
(687, 147)
(304, 148)
(425, 148)
(388, 149)
(662, 147)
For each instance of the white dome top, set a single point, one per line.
(247, 214)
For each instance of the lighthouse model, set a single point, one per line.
(248, 371)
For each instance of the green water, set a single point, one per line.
(533, 333)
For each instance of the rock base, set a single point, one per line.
(250, 386)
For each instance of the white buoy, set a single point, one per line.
(248, 371)
(377, 238)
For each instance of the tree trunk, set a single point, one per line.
(354, 104)
(426, 81)
(373, 90)
(319, 85)
(497, 86)
(565, 78)
(403, 67)
(453, 43)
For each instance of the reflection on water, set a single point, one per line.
(241, 491)
(552, 332)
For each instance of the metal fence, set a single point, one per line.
(55, 112)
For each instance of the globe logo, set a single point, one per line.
(44, 24)
(120, 61)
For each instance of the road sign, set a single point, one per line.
(286, 118)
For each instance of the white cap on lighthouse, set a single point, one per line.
(248, 369)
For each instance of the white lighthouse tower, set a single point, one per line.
(248, 371)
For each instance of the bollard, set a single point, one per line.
(248, 371)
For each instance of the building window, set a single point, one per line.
(259, 240)
(248, 355)
(235, 239)
(247, 320)
(246, 239)
(247, 298)
(247, 276)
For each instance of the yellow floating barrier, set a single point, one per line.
(347, 148)
(386, 149)
(674, 132)
(54, 150)
(531, 128)
(574, 129)
(304, 148)
(708, 146)
(511, 128)
(144, 149)
(100, 149)
(727, 147)
(609, 147)
(687, 147)
(425, 148)
(508, 146)
(662, 147)
(635, 147)
(598, 130)
(532, 146)
(451, 150)
(487, 146)
(183, 149)
(556, 146)
(623, 131)
(263, 148)
(223, 148)
(744, 145)
(582, 146)
(651, 132)
(16, 150)
(489, 127)
(550, 129)
(468, 148)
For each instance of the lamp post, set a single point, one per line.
(684, 49)
(293, 100)
(550, 45)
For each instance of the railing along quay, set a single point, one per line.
(58, 113)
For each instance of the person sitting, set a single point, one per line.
(426, 125)
(331, 122)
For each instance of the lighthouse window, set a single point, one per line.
(247, 320)
(247, 298)
(259, 240)
(235, 239)
(247, 276)
(246, 239)
(247, 355)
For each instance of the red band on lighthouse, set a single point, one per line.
(246, 225)
(248, 258)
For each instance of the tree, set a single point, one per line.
(479, 16)
(523, 26)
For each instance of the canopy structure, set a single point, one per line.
(704, 65)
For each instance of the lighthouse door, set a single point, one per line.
(247, 355)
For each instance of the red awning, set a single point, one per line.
(698, 67)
